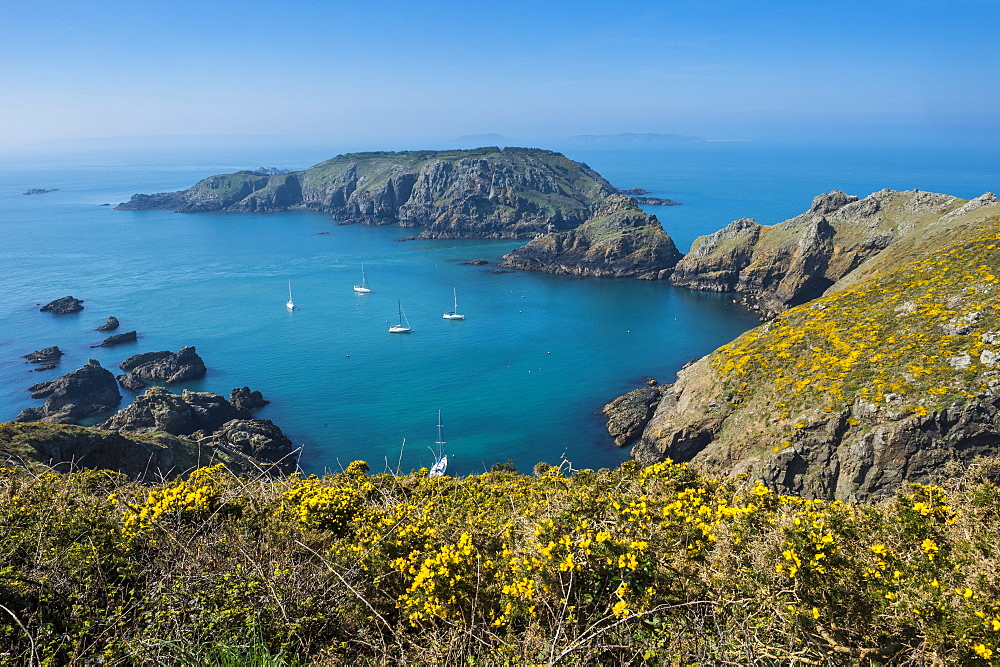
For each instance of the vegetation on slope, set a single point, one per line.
(926, 335)
(607, 566)
(850, 395)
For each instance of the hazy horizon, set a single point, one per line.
(405, 73)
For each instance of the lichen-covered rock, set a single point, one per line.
(63, 306)
(85, 392)
(161, 410)
(260, 439)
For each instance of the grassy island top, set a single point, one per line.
(625, 565)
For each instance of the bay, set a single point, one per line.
(522, 378)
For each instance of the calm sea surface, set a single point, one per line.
(522, 378)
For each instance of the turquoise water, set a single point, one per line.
(522, 378)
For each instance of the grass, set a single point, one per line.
(653, 564)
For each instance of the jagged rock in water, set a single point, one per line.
(245, 401)
(131, 382)
(655, 201)
(165, 366)
(628, 415)
(618, 241)
(137, 360)
(85, 392)
(46, 367)
(161, 410)
(63, 306)
(110, 325)
(46, 355)
(118, 339)
(260, 439)
(779, 266)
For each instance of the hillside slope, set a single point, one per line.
(884, 380)
(778, 266)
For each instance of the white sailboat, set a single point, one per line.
(399, 328)
(363, 287)
(440, 457)
(290, 305)
(454, 314)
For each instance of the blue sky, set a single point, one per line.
(388, 71)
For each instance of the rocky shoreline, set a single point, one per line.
(198, 426)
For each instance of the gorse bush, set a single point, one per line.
(636, 564)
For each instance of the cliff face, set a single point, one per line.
(618, 241)
(146, 457)
(885, 380)
(480, 193)
(779, 266)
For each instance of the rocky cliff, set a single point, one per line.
(480, 193)
(147, 457)
(619, 240)
(778, 266)
(891, 376)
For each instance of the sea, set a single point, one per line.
(521, 379)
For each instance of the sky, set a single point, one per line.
(402, 70)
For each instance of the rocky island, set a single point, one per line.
(488, 193)
(63, 306)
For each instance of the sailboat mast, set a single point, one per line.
(440, 440)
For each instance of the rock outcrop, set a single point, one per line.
(144, 457)
(209, 419)
(888, 379)
(628, 415)
(161, 410)
(618, 241)
(245, 401)
(261, 440)
(46, 355)
(118, 339)
(63, 306)
(482, 193)
(655, 201)
(164, 366)
(775, 267)
(85, 392)
(110, 325)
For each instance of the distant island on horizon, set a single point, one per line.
(634, 138)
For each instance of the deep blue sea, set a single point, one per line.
(523, 377)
